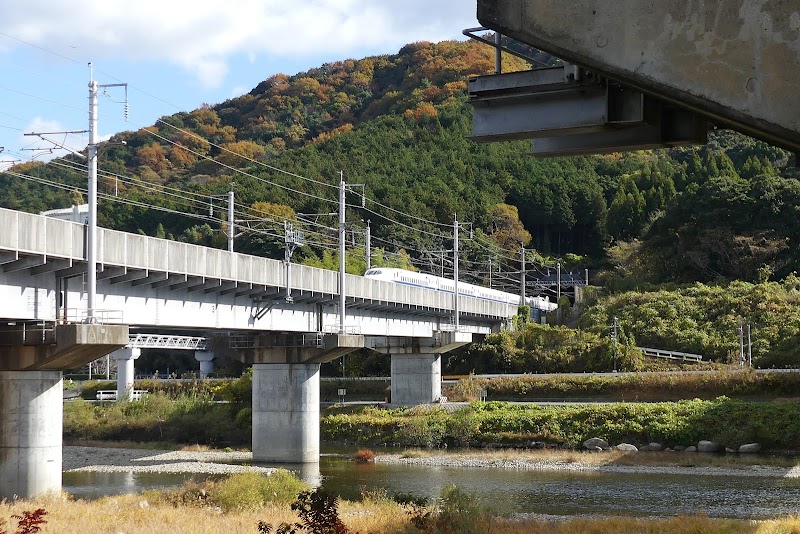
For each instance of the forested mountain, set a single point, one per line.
(399, 125)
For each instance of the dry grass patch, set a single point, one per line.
(123, 444)
(420, 453)
(135, 513)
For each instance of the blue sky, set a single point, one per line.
(176, 55)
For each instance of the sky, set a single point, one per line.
(176, 55)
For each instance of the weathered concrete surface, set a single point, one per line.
(416, 379)
(735, 61)
(75, 345)
(293, 349)
(31, 416)
(286, 413)
(125, 371)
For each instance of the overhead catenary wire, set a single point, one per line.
(165, 190)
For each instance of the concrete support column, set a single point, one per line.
(286, 412)
(206, 360)
(416, 378)
(124, 359)
(31, 424)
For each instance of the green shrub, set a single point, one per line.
(730, 422)
(250, 491)
(420, 431)
(463, 427)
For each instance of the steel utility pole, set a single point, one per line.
(558, 281)
(229, 196)
(293, 239)
(91, 254)
(522, 279)
(231, 230)
(741, 342)
(749, 347)
(455, 272)
(615, 344)
(367, 246)
(341, 252)
(342, 230)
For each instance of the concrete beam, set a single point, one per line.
(111, 272)
(52, 264)
(69, 272)
(439, 344)
(732, 61)
(27, 262)
(151, 278)
(130, 276)
(171, 280)
(299, 348)
(75, 345)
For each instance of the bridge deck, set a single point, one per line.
(39, 245)
(733, 61)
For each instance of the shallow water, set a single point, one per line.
(510, 491)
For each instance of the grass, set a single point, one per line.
(142, 513)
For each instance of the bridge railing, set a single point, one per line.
(671, 354)
(30, 234)
(80, 315)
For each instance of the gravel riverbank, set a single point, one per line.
(102, 459)
(466, 460)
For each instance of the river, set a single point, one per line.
(512, 491)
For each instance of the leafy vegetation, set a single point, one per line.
(704, 319)
(398, 123)
(745, 385)
(729, 422)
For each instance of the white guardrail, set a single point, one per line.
(671, 355)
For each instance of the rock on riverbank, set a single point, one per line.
(466, 460)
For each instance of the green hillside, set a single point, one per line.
(399, 124)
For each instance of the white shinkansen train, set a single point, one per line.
(427, 281)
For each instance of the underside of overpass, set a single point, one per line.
(643, 74)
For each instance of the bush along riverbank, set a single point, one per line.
(726, 422)
(741, 384)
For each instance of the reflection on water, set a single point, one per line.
(509, 491)
(91, 485)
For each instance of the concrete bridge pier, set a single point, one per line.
(416, 378)
(125, 372)
(286, 412)
(286, 392)
(32, 408)
(417, 365)
(206, 360)
(32, 398)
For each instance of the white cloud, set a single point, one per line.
(201, 35)
(239, 90)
